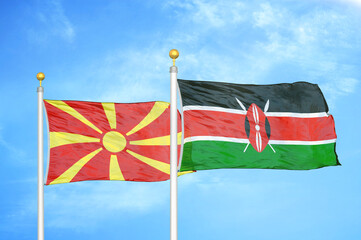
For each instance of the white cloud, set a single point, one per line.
(338, 87)
(222, 68)
(134, 75)
(52, 22)
(291, 38)
(13, 151)
(313, 44)
(85, 204)
(356, 3)
(211, 13)
(128, 75)
(348, 85)
(266, 16)
(220, 185)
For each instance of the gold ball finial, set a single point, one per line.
(40, 76)
(173, 54)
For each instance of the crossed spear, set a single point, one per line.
(255, 119)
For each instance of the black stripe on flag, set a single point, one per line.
(298, 97)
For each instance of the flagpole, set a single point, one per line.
(173, 148)
(40, 76)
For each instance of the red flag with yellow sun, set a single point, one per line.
(108, 141)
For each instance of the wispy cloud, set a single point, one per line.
(209, 13)
(267, 16)
(356, 3)
(52, 22)
(84, 205)
(249, 43)
(338, 87)
(212, 187)
(136, 75)
(310, 42)
(12, 151)
(81, 205)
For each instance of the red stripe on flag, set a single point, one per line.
(213, 123)
(224, 124)
(302, 129)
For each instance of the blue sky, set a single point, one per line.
(118, 51)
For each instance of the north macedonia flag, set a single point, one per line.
(108, 141)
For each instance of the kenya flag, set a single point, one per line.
(108, 141)
(279, 126)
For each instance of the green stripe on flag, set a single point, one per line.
(202, 155)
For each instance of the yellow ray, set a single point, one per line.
(109, 109)
(63, 138)
(158, 141)
(114, 170)
(182, 173)
(70, 173)
(71, 111)
(161, 166)
(157, 110)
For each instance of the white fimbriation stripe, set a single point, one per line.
(268, 114)
(212, 138)
(217, 109)
(297, 115)
(239, 140)
(285, 142)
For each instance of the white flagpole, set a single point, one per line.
(40, 76)
(173, 148)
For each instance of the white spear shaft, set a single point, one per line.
(40, 76)
(173, 148)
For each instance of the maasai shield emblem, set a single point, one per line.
(256, 119)
(257, 128)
